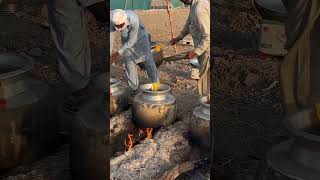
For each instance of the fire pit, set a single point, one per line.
(153, 109)
(153, 153)
(200, 123)
(29, 116)
(299, 158)
(118, 97)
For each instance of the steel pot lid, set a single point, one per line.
(272, 5)
(195, 63)
(12, 65)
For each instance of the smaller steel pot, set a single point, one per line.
(154, 109)
(195, 63)
(200, 123)
(118, 97)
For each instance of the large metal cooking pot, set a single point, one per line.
(299, 158)
(29, 114)
(89, 142)
(271, 9)
(118, 97)
(200, 123)
(154, 109)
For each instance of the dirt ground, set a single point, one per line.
(247, 110)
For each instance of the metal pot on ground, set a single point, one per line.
(299, 158)
(29, 116)
(118, 97)
(200, 123)
(153, 109)
(89, 146)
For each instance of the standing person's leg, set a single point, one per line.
(69, 31)
(132, 73)
(315, 62)
(204, 81)
(287, 81)
(151, 68)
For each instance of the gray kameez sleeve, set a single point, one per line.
(133, 35)
(185, 30)
(203, 19)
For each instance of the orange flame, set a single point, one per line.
(130, 142)
(149, 133)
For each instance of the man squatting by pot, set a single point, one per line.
(300, 70)
(135, 46)
(198, 25)
(68, 26)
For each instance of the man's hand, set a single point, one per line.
(191, 55)
(174, 41)
(114, 57)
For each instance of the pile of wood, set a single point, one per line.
(120, 125)
(152, 158)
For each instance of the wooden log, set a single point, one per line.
(120, 126)
(153, 157)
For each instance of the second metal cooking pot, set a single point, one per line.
(118, 97)
(200, 123)
(154, 109)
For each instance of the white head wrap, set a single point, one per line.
(119, 16)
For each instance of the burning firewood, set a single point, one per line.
(151, 158)
(137, 136)
(120, 126)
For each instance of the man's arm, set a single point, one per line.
(133, 35)
(203, 18)
(185, 30)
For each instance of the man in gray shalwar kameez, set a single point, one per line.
(68, 26)
(135, 46)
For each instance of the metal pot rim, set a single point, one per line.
(299, 133)
(163, 88)
(115, 82)
(22, 64)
